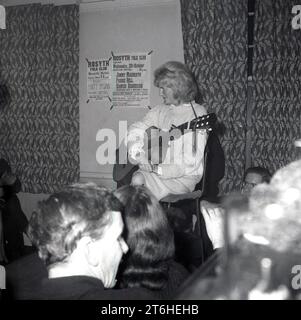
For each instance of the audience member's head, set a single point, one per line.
(275, 210)
(254, 176)
(78, 232)
(149, 237)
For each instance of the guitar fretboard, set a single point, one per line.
(205, 122)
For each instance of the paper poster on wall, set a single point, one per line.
(131, 79)
(98, 79)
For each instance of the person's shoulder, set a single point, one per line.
(120, 294)
(200, 109)
(178, 271)
(174, 265)
(158, 109)
(137, 294)
(29, 261)
(13, 203)
(152, 113)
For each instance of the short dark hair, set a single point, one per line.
(149, 237)
(179, 78)
(66, 216)
(263, 172)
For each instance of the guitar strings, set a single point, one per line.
(194, 135)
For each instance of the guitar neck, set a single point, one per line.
(202, 123)
(184, 126)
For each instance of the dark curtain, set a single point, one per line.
(276, 117)
(39, 126)
(215, 48)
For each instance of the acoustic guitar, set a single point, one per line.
(157, 141)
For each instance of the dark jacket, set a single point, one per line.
(27, 279)
(81, 288)
(14, 221)
(215, 168)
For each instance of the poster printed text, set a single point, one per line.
(124, 79)
(98, 80)
(131, 79)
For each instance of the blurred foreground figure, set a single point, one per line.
(78, 234)
(213, 212)
(262, 250)
(150, 261)
(14, 221)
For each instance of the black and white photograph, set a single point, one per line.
(150, 154)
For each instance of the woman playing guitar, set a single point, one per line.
(181, 166)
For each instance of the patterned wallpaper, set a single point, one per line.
(215, 47)
(215, 44)
(39, 127)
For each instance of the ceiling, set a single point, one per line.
(19, 2)
(57, 2)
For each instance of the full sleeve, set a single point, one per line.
(136, 133)
(182, 159)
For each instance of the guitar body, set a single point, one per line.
(156, 145)
(122, 170)
(127, 171)
(153, 147)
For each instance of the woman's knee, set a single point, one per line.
(138, 179)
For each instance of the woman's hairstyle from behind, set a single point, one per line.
(67, 216)
(179, 78)
(149, 237)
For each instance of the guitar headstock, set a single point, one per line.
(206, 122)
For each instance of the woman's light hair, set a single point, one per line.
(179, 78)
